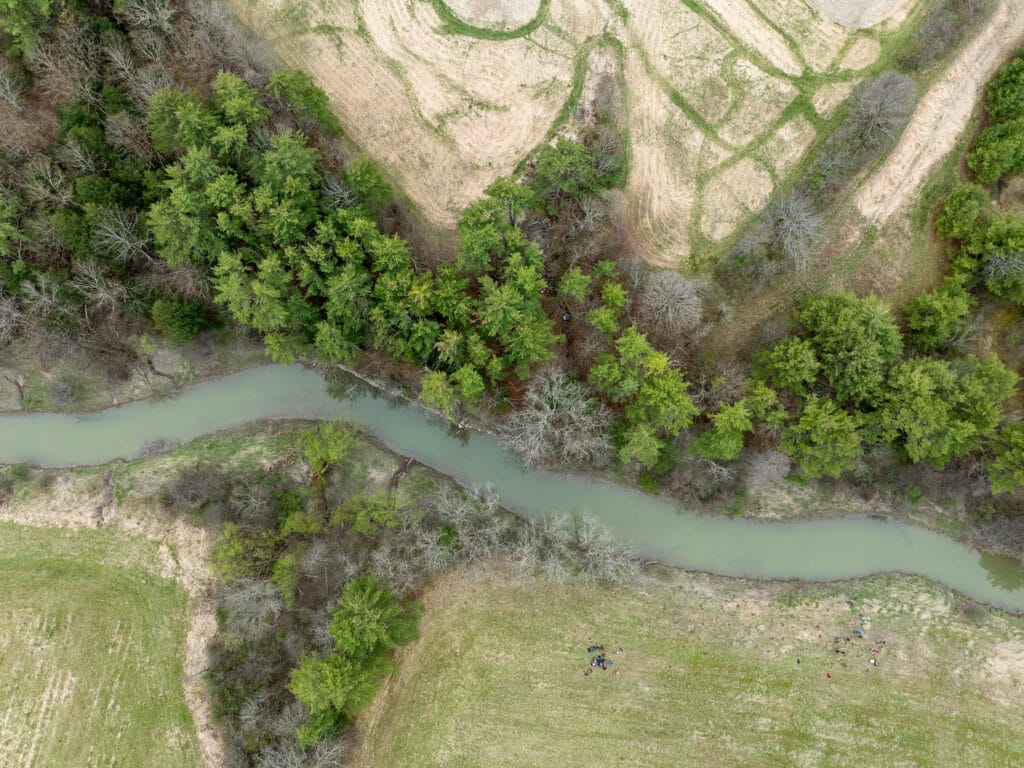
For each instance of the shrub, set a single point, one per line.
(933, 317)
(365, 178)
(306, 99)
(1004, 95)
(791, 365)
(284, 575)
(1006, 466)
(997, 151)
(946, 24)
(958, 217)
(179, 320)
(238, 553)
(825, 440)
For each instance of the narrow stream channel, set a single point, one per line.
(814, 550)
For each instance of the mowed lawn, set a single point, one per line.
(707, 677)
(91, 649)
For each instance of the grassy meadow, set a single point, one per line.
(707, 676)
(91, 647)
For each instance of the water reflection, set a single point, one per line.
(1004, 572)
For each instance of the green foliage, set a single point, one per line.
(366, 179)
(825, 440)
(933, 317)
(10, 234)
(284, 574)
(238, 553)
(368, 513)
(369, 620)
(652, 393)
(21, 19)
(306, 99)
(724, 441)
(470, 384)
(856, 341)
(791, 364)
(367, 623)
(939, 413)
(997, 151)
(437, 391)
(1004, 94)
(563, 170)
(180, 320)
(1006, 465)
(959, 214)
(326, 445)
(574, 284)
(640, 443)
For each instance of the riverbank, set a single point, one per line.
(36, 378)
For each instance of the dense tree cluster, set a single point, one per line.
(847, 384)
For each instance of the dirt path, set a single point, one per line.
(942, 115)
(73, 503)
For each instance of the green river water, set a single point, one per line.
(815, 550)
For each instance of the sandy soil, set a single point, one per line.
(82, 502)
(859, 14)
(942, 115)
(495, 13)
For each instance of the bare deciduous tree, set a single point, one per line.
(250, 607)
(45, 182)
(125, 131)
(100, 291)
(1003, 265)
(10, 89)
(119, 233)
(11, 318)
(181, 279)
(67, 66)
(793, 221)
(882, 107)
(559, 422)
(150, 14)
(669, 304)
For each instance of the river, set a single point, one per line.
(813, 550)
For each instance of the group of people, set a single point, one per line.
(599, 659)
(839, 645)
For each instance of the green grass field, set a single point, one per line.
(91, 647)
(707, 677)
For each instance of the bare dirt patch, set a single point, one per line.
(500, 14)
(859, 14)
(942, 115)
